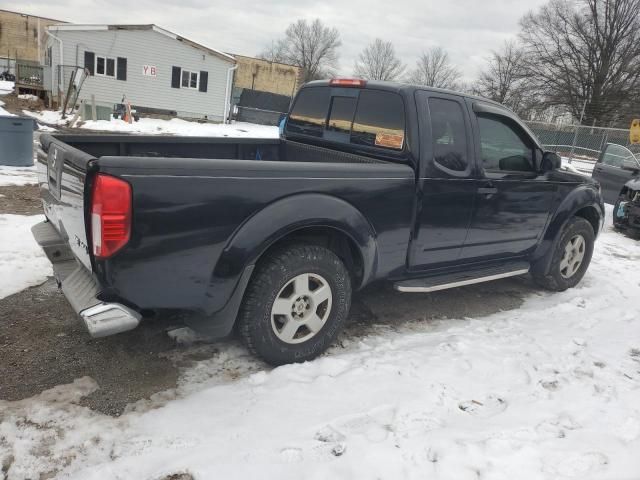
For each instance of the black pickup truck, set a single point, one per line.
(425, 188)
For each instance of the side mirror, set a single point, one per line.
(550, 161)
(630, 164)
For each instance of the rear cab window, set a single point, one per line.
(364, 120)
(309, 113)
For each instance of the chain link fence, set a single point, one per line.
(7, 65)
(581, 145)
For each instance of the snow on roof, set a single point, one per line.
(155, 28)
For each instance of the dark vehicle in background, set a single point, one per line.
(424, 188)
(615, 167)
(617, 171)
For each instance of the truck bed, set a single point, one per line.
(204, 147)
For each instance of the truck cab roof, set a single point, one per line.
(405, 88)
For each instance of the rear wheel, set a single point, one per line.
(571, 256)
(296, 304)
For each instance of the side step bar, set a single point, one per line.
(460, 279)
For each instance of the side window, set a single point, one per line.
(341, 116)
(504, 146)
(615, 155)
(309, 113)
(449, 134)
(379, 120)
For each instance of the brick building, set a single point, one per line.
(23, 36)
(266, 76)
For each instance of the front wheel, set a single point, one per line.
(295, 305)
(571, 256)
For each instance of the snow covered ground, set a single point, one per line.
(3, 111)
(6, 87)
(18, 175)
(578, 165)
(548, 391)
(175, 126)
(22, 261)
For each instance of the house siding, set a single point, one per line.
(144, 47)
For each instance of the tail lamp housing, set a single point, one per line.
(110, 215)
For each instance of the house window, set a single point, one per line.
(189, 79)
(105, 67)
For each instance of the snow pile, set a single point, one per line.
(6, 87)
(174, 126)
(18, 175)
(30, 98)
(550, 390)
(22, 261)
(50, 117)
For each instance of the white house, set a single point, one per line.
(157, 71)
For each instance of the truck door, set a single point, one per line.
(446, 191)
(513, 198)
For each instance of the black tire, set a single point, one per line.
(275, 273)
(555, 280)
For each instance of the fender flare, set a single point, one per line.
(582, 197)
(279, 219)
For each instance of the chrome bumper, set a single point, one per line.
(81, 289)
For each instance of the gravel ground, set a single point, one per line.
(21, 200)
(43, 343)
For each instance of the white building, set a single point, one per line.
(157, 71)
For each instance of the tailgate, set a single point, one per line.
(62, 172)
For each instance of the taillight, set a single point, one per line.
(110, 215)
(347, 82)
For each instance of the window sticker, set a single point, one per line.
(389, 140)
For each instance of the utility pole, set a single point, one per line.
(575, 134)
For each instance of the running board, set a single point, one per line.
(460, 279)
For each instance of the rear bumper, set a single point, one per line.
(81, 289)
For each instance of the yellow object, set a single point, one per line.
(634, 132)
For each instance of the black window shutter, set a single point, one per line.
(122, 69)
(90, 62)
(204, 80)
(175, 77)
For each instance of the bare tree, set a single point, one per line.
(584, 54)
(274, 52)
(378, 61)
(311, 46)
(504, 79)
(434, 69)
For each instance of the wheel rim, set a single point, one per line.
(301, 308)
(573, 256)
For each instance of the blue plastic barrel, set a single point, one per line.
(16, 141)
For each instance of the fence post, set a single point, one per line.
(573, 144)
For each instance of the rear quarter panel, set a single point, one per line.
(187, 211)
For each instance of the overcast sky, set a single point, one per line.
(467, 29)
